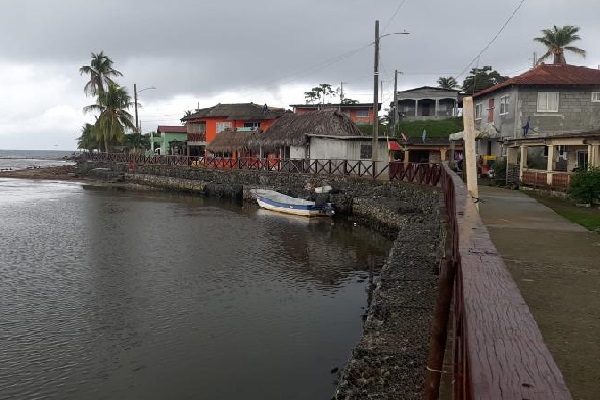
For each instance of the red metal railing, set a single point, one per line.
(423, 173)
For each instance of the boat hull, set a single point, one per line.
(293, 209)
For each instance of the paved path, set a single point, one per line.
(556, 265)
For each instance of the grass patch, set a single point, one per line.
(589, 218)
(439, 128)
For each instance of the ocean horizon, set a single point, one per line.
(21, 159)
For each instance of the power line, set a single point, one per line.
(394, 15)
(487, 46)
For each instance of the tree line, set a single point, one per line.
(111, 106)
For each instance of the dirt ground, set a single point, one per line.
(63, 173)
(556, 265)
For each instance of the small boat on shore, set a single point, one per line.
(275, 201)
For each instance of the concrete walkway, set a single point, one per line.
(556, 265)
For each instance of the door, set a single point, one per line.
(491, 111)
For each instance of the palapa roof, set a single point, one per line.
(550, 75)
(291, 129)
(229, 140)
(237, 111)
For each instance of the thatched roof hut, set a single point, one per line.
(291, 129)
(229, 140)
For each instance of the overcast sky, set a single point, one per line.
(265, 51)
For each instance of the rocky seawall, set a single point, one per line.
(390, 360)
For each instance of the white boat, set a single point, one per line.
(275, 201)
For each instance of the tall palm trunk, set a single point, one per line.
(106, 142)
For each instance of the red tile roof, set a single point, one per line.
(171, 129)
(550, 74)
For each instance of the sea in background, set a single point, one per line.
(23, 159)
(112, 294)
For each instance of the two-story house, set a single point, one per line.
(203, 125)
(359, 113)
(550, 113)
(428, 102)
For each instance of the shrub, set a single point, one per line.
(500, 172)
(585, 186)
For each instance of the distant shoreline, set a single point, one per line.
(62, 172)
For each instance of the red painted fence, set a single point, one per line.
(410, 172)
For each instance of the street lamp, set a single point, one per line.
(375, 144)
(135, 94)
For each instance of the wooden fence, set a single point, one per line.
(497, 349)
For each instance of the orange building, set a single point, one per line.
(204, 124)
(359, 113)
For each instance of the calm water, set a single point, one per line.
(22, 159)
(138, 295)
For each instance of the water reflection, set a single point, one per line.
(112, 294)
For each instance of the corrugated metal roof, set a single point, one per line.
(551, 75)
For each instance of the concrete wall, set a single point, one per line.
(339, 149)
(504, 123)
(576, 111)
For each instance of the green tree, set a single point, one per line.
(349, 101)
(557, 40)
(447, 82)
(87, 140)
(310, 97)
(482, 78)
(137, 141)
(319, 94)
(113, 119)
(100, 72)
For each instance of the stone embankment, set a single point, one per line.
(390, 360)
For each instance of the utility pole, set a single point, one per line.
(341, 95)
(374, 144)
(137, 126)
(395, 101)
(534, 59)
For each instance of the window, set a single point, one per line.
(478, 108)
(221, 126)
(547, 102)
(582, 160)
(365, 151)
(253, 125)
(503, 105)
(362, 113)
(596, 97)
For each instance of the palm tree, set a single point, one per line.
(100, 71)
(87, 140)
(114, 119)
(447, 82)
(557, 40)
